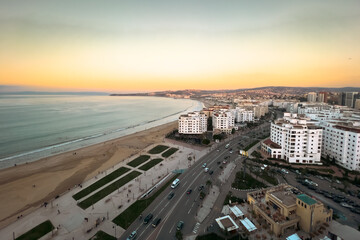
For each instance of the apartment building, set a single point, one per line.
(223, 120)
(193, 123)
(284, 207)
(341, 141)
(311, 97)
(243, 115)
(295, 139)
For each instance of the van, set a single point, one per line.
(148, 218)
(156, 222)
(175, 183)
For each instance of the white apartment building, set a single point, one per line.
(243, 115)
(223, 120)
(193, 123)
(295, 139)
(341, 140)
(311, 97)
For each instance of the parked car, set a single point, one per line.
(189, 191)
(180, 225)
(204, 165)
(156, 222)
(206, 169)
(284, 171)
(148, 218)
(211, 172)
(132, 235)
(171, 195)
(201, 187)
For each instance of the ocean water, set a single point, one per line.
(36, 126)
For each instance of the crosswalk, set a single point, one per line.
(197, 225)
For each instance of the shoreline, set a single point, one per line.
(86, 141)
(25, 187)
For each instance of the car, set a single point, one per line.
(204, 165)
(211, 172)
(171, 195)
(156, 222)
(218, 162)
(217, 150)
(206, 169)
(224, 162)
(180, 225)
(201, 187)
(337, 181)
(189, 191)
(132, 235)
(284, 171)
(231, 152)
(148, 218)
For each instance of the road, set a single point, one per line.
(184, 206)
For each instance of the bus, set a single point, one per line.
(227, 145)
(175, 183)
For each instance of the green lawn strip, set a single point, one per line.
(246, 183)
(251, 145)
(150, 164)
(169, 152)
(98, 184)
(38, 231)
(127, 217)
(139, 160)
(107, 190)
(272, 180)
(100, 235)
(158, 149)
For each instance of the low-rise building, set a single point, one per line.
(284, 208)
(193, 123)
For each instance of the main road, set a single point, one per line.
(183, 206)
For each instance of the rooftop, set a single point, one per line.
(306, 199)
(286, 198)
(271, 144)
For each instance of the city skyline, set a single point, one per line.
(142, 46)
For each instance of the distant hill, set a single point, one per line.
(273, 89)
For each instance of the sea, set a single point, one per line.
(37, 126)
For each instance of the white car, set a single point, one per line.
(204, 165)
(284, 171)
(206, 169)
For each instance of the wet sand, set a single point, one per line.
(25, 187)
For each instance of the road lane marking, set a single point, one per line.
(197, 225)
(187, 201)
(172, 228)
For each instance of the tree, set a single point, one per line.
(205, 141)
(179, 235)
(233, 131)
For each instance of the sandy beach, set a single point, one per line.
(25, 187)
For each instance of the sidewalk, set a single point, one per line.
(65, 214)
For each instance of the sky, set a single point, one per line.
(130, 46)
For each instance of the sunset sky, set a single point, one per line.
(126, 46)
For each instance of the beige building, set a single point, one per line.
(284, 209)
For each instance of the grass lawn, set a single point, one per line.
(150, 164)
(251, 145)
(127, 217)
(272, 180)
(169, 152)
(100, 235)
(248, 183)
(37, 232)
(158, 149)
(98, 184)
(107, 190)
(139, 160)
